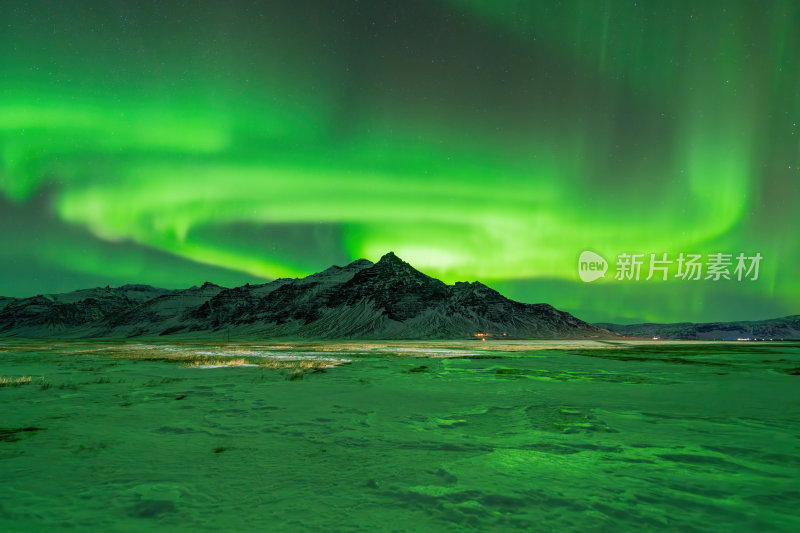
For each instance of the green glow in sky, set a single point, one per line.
(493, 141)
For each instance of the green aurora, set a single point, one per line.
(154, 142)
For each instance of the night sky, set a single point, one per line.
(171, 143)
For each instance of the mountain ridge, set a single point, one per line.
(388, 299)
(781, 328)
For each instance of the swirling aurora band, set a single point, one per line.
(477, 140)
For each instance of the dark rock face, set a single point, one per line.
(393, 285)
(43, 311)
(385, 300)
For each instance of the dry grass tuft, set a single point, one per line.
(15, 382)
(215, 361)
(297, 365)
(192, 359)
(302, 365)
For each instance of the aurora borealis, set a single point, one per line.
(169, 143)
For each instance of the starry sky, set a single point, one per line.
(170, 143)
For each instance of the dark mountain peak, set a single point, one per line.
(465, 284)
(474, 287)
(336, 274)
(392, 269)
(394, 287)
(391, 263)
(358, 264)
(205, 287)
(391, 259)
(136, 287)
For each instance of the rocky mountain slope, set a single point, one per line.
(785, 328)
(385, 300)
